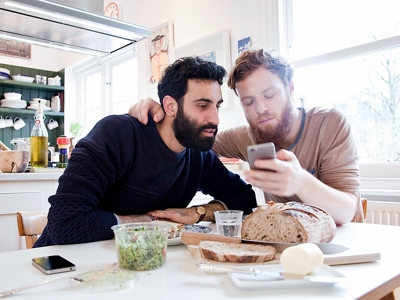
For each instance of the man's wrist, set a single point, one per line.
(135, 218)
(201, 211)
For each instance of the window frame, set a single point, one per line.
(74, 112)
(374, 176)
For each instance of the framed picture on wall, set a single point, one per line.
(243, 45)
(15, 48)
(161, 44)
(215, 48)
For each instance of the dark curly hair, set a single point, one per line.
(251, 60)
(174, 82)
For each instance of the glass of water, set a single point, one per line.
(229, 222)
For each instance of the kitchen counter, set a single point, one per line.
(23, 192)
(30, 176)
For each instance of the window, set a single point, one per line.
(346, 54)
(105, 86)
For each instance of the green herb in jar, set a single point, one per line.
(145, 250)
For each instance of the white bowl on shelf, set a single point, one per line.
(12, 96)
(5, 70)
(23, 78)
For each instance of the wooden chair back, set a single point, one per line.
(364, 203)
(31, 225)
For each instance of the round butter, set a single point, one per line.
(302, 259)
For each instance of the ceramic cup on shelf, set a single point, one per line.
(2, 122)
(52, 124)
(51, 81)
(9, 121)
(18, 123)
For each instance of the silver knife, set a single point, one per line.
(194, 238)
(255, 274)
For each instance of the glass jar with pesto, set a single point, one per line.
(141, 246)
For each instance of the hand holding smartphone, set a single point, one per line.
(53, 264)
(260, 151)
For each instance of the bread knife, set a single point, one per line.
(256, 274)
(194, 238)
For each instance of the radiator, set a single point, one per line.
(386, 213)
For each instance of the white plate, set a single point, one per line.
(13, 102)
(194, 228)
(116, 280)
(12, 106)
(244, 280)
(36, 107)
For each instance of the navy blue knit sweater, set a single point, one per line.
(123, 167)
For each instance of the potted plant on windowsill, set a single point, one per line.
(75, 130)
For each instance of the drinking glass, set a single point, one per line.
(229, 222)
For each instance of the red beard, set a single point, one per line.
(277, 135)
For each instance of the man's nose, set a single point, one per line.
(261, 106)
(214, 116)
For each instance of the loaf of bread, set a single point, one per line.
(238, 253)
(291, 222)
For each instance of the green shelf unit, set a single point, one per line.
(19, 84)
(30, 91)
(5, 110)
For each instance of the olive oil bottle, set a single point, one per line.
(39, 142)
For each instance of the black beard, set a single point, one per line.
(276, 135)
(188, 133)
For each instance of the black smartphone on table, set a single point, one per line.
(260, 151)
(53, 264)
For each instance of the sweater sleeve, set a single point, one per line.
(75, 215)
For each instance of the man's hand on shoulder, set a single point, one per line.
(141, 110)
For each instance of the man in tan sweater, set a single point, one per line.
(316, 160)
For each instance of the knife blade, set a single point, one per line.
(194, 238)
(255, 274)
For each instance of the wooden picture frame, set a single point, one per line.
(214, 47)
(160, 49)
(15, 49)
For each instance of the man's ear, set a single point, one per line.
(291, 88)
(170, 106)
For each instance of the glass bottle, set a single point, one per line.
(39, 141)
(55, 102)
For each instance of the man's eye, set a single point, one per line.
(203, 106)
(247, 102)
(268, 96)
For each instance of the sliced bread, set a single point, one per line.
(238, 253)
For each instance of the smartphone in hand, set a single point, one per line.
(53, 264)
(260, 151)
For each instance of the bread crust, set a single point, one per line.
(238, 253)
(291, 222)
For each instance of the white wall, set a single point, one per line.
(192, 20)
(195, 19)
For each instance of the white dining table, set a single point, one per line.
(179, 277)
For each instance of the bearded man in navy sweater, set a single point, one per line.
(124, 171)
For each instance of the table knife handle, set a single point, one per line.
(194, 238)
